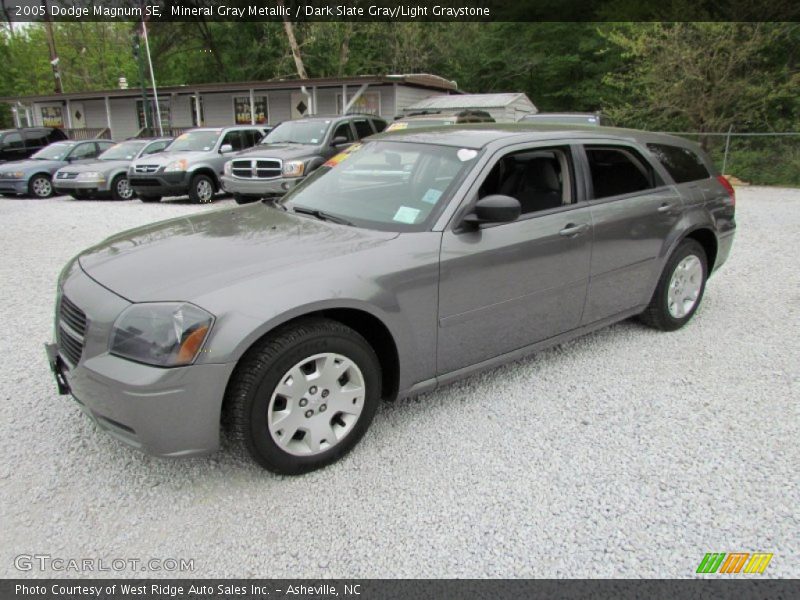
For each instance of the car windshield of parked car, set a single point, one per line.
(122, 151)
(195, 141)
(298, 132)
(385, 185)
(53, 152)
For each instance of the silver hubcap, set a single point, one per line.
(42, 187)
(124, 190)
(204, 190)
(316, 404)
(684, 286)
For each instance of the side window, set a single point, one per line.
(616, 170)
(681, 163)
(35, 138)
(343, 130)
(13, 141)
(83, 151)
(252, 137)
(379, 125)
(539, 178)
(362, 128)
(234, 138)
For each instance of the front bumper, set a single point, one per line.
(66, 186)
(160, 184)
(164, 412)
(259, 187)
(13, 186)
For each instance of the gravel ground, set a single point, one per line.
(627, 453)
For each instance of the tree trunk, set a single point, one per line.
(298, 59)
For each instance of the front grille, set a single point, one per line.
(269, 168)
(145, 169)
(144, 182)
(66, 175)
(71, 330)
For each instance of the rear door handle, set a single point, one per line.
(666, 207)
(573, 230)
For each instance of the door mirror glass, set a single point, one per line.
(496, 208)
(339, 140)
(225, 148)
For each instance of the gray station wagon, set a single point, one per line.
(396, 267)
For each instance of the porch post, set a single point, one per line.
(252, 109)
(69, 115)
(344, 97)
(108, 117)
(198, 115)
(314, 100)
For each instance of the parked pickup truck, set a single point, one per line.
(191, 165)
(291, 151)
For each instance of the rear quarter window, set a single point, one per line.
(681, 163)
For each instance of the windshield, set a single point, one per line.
(123, 151)
(199, 141)
(53, 152)
(298, 132)
(391, 186)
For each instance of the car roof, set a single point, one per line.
(479, 135)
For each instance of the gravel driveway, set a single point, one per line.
(627, 453)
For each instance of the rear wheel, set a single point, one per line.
(40, 186)
(680, 288)
(305, 396)
(145, 198)
(201, 189)
(121, 188)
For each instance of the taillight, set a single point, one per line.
(728, 188)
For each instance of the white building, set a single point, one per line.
(118, 113)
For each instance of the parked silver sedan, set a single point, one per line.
(107, 176)
(402, 265)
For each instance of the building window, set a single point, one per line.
(164, 106)
(368, 103)
(52, 116)
(241, 110)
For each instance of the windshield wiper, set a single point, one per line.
(322, 216)
(275, 203)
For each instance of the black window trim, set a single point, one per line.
(709, 170)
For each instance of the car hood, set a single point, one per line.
(33, 165)
(183, 258)
(164, 158)
(95, 165)
(282, 151)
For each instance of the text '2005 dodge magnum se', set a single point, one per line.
(410, 261)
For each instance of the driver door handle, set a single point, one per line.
(573, 230)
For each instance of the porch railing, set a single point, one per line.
(89, 133)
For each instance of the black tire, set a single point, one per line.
(259, 372)
(240, 199)
(145, 198)
(115, 192)
(657, 314)
(78, 195)
(34, 185)
(196, 186)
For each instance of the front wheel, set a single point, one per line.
(680, 288)
(304, 396)
(201, 189)
(121, 188)
(40, 187)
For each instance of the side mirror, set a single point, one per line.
(225, 148)
(496, 208)
(339, 140)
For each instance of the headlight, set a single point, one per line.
(293, 168)
(227, 169)
(178, 165)
(164, 334)
(91, 175)
(14, 174)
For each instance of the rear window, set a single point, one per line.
(681, 163)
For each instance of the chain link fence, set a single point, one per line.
(756, 158)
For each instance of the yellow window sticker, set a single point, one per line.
(397, 126)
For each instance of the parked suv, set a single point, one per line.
(108, 175)
(34, 175)
(16, 144)
(192, 164)
(436, 118)
(292, 151)
(413, 260)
